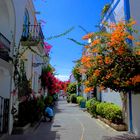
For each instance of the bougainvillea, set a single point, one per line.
(47, 48)
(111, 60)
(50, 82)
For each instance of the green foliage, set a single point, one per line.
(89, 102)
(23, 83)
(105, 9)
(76, 72)
(77, 42)
(68, 98)
(80, 99)
(30, 111)
(110, 111)
(48, 100)
(93, 106)
(49, 68)
(73, 98)
(60, 35)
(41, 104)
(71, 88)
(83, 29)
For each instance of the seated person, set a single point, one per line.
(49, 113)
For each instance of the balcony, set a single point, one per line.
(4, 48)
(32, 35)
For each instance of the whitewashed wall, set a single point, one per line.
(111, 96)
(7, 22)
(19, 6)
(4, 83)
(7, 19)
(136, 113)
(135, 14)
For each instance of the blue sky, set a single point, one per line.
(61, 15)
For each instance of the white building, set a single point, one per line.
(123, 10)
(18, 28)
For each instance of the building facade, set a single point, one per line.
(19, 32)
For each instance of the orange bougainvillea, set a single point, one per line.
(120, 50)
(88, 89)
(137, 43)
(130, 37)
(108, 76)
(88, 36)
(136, 79)
(95, 50)
(97, 72)
(95, 42)
(109, 60)
(86, 46)
(85, 59)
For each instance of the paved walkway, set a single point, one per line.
(70, 123)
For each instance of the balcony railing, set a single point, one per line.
(4, 48)
(32, 35)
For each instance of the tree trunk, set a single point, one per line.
(124, 106)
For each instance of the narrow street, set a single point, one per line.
(70, 123)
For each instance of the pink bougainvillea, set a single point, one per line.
(47, 47)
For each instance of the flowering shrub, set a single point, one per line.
(50, 82)
(109, 60)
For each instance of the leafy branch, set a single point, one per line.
(75, 41)
(82, 28)
(62, 34)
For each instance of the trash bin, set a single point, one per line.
(83, 104)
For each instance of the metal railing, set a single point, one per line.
(32, 33)
(4, 115)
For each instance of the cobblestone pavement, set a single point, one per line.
(70, 123)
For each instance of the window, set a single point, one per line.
(26, 24)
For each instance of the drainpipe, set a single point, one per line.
(127, 17)
(10, 127)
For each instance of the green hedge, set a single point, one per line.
(73, 98)
(88, 103)
(109, 111)
(80, 99)
(68, 98)
(93, 107)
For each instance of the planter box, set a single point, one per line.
(107, 122)
(20, 130)
(118, 127)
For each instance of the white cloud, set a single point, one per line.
(62, 77)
